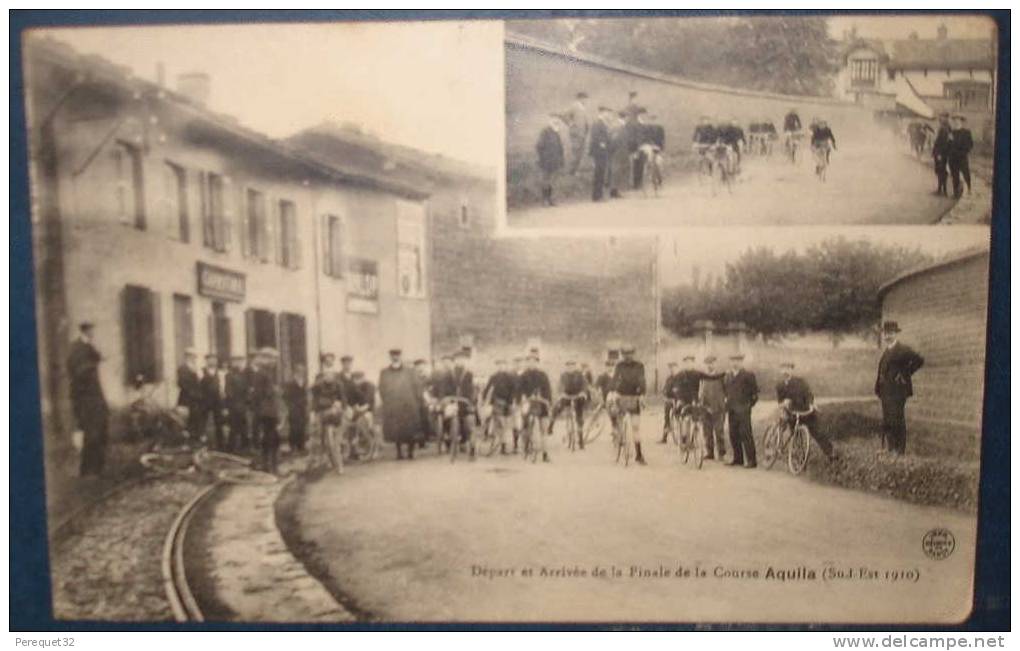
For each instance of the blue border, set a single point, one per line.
(29, 566)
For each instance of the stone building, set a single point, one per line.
(942, 310)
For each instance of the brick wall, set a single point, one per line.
(539, 82)
(943, 314)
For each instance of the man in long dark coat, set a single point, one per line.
(940, 154)
(894, 385)
(401, 393)
(959, 154)
(550, 157)
(599, 151)
(87, 400)
(190, 394)
(741, 395)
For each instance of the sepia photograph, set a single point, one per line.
(749, 120)
(643, 321)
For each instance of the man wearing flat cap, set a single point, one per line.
(894, 385)
(402, 405)
(88, 403)
(551, 158)
(741, 396)
(793, 394)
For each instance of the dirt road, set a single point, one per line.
(427, 540)
(866, 184)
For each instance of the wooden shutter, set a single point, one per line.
(275, 236)
(244, 222)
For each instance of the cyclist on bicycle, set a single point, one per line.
(794, 395)
(572, 385)
(535, 382)
(666, 412)
(500, 392)
(462, 385)
(705, 135)
(791, 123)
(768, 135)
(361, 402)
(328, 403)
(628, 389)
(732, 135)
(822, 143)
(683, 387)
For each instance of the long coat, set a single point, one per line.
(898, 364)
(87, 399)
(550, 151)
(402, 404)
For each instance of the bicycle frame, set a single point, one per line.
(451, 420)
(530, 421)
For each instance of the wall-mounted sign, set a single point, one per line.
(362, 286)
(217, 282)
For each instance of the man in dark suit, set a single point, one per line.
(501, 393)
(236, 391)
(572, 385)
(550, 156)
(629, 383)
(894, 385)
(535, 383)
(212, 401)
(959, 154)
(599, 151)
(87, 400)
(254, 422)
(741, 395)
(463, 385)
(940, 153)
(190, 393)
(794, 395)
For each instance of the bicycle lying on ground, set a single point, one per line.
(789, 435)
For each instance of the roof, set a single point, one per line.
(942, 53)
(528, 43)
(951, 260)
(873, 44)
(100, 69)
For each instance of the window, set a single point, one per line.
(293, 346)
(333, 246)
(214, 208)
(184, 328)
(410, 250)
(260, 327)
(290, 249)
(175, 201)
(256, 226)
(864, 71)
(130, 193)
(140, 327)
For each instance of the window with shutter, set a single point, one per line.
(272, 252)
(174, 201)
(333, 240)
(288, 234)
(129, 188)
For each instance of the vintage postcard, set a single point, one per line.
(574, 321)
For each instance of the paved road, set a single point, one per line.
(867, 184)
(425, 541)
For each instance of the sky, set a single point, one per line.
(897, 27)
(435, 86)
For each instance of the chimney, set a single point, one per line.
(943, 32)
(196, 86)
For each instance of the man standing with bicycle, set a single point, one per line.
(327, 405)
(463, 383)
(667, 391)
(822, 144)
(573, 388)
(500, 393)
(535, 383)
(794, 395)
(629, 385)
(741, 396)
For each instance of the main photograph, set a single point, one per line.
(295, 369)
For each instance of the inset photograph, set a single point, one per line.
(749, 120)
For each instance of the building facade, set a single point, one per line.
(171, 227)
(942, 310)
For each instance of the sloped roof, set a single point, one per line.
(948, 261)
(101, 69)
(942, 53)
(873, 44)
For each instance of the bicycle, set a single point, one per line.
(360, 440)
(726, 163)
(691, 422)
(331, 424)
(792, 438)
(792, 144)
(653, 162)
(574, 428)
(596, 423)
(450, 433)
(706, 168)
(532, 426)
(623, 438)
(495, 427)
(231, 468)
(822, 152)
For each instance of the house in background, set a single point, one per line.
(919, 76)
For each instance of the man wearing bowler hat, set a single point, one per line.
(894, 385)
(402, 400)
(741, 396)
(88, 403)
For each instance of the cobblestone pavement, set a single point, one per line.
(427, 540)
(249, 568)
(107, 566)
(867, 184)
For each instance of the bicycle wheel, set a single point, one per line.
(625, 439)
(363, 441)
(492, 434)
(684, 447)
(571, 431)
(770, 444)
(800, 449)
(454, 438)
(165, 464)
(596, 423)
(698, 443)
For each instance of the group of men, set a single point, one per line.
(951, 154)
(621, 142)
